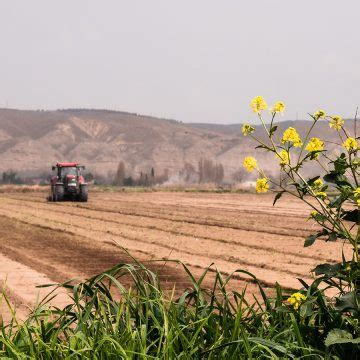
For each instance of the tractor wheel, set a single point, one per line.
(83, 196)
(52, 196)
(59, 193)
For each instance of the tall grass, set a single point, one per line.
(107, 320)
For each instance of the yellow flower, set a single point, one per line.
(278, 107)
(258, 104)
(315, 144)
(357, 193)
(318, 184)
(313, 213)
(350, 144)
(292, 136)
(284, 157)
(247, 129)
(262, 185)
(250, 163)
(336, 122)
(319, 114)
(321, 194)
(296, 300)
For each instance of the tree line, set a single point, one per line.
(206, 171)
(11, 177)
(144, 178)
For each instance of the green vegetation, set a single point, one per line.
(107, 319)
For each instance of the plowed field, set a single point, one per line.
(57, 241)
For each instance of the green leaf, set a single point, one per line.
(264, 147)
(327, 269)
(306, 310)
(278, 196)
(313, 154)
(335, 203)
(338, 336)
(331, 177)
(311, 239)
(268, 343)
(273, 129)
(347, 302)
(352, 215)
(332, 237)
(261, 147)
(283, 309)
(336, 178)
(340, 164)
(320, 217)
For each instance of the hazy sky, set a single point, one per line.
(192, 60)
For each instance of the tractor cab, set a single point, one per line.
(68, 171)
(69, 182)
(72, 171)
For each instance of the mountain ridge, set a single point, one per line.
(32, 140)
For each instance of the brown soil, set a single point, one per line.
(234, 231)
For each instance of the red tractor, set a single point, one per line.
(68, 184)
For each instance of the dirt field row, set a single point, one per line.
(234, 231)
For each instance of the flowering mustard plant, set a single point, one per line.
(333, 198)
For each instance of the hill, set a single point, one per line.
(31, 141)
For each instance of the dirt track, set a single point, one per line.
(235, 231)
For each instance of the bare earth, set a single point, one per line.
(44, 242)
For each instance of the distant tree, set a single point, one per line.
(219, 174)
(120, 174)
(141, 181)
(129, 181)
(10, 177)
(210, 172)
(152, 179)
(89, 176)
(201, 170)
(165, 175)
(101, 179)
(188, 173)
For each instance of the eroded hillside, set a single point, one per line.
(31, 141)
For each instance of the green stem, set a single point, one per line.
(305, 140)
(267, 131)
